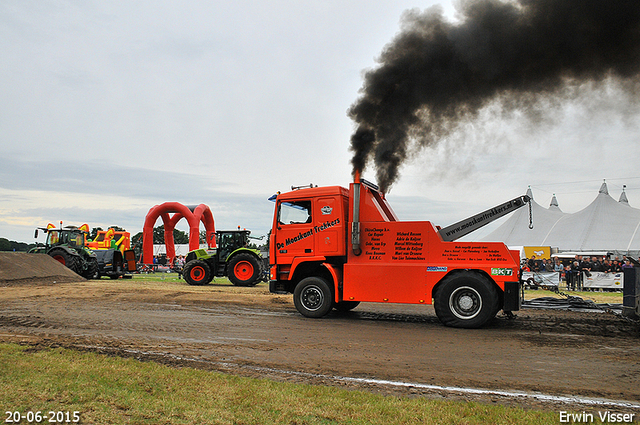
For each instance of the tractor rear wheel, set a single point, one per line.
(197, 272)
(244, 269)
(466, 300)
(65, 258)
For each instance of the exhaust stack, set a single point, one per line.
(355, 226)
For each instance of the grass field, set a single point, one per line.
(111, 390)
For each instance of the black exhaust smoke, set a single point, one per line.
(436, 75)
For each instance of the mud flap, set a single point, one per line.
(512, 300)
(276, 287)
(130, 261)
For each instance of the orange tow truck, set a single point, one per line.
(333, 247)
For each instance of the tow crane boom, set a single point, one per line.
(468, 225)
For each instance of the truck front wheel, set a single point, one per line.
(466, 300)
(197, 272)
(313, 297)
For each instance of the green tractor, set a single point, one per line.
(243, 266)
(67, 245)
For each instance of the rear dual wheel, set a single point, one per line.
(466, 300)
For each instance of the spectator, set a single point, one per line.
(546, 266)
(584, 271)
(533, 264)
(558, 267)
(606, 266)
(596, 265)
(616, 267)
(576, 275)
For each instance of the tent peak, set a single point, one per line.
(623, 196)
(554, 203)
(603, 188)
(529, 193)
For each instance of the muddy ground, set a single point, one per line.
(392, 349)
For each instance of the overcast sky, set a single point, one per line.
(109, 108)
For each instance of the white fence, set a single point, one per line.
(596, 280)
(544, 279)
(601, 280)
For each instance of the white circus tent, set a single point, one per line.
(604, 225)
(516, 232)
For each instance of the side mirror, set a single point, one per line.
(35, 236)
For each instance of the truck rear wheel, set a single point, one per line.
(244, 270)
(466, 300)
(197, 272)
(65, 258)
(313, 297)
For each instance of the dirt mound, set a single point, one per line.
(19, 267)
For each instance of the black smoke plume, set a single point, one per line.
(435, 74)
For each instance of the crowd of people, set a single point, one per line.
(572, 270)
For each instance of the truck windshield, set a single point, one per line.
(295, 212)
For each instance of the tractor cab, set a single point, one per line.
(70, 235)
(230, 240)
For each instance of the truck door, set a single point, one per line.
(329, 227)
(294, 236)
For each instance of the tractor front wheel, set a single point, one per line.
(244, 270)
(197, 272)
(65, 258)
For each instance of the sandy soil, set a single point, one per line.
(251, 332)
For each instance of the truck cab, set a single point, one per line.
(310, 227)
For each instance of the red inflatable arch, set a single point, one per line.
(194, 215)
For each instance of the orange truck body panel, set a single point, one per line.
(399, 262)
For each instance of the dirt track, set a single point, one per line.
(252, 332)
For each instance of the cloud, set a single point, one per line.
(34, 193)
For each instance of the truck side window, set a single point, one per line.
(297, 212)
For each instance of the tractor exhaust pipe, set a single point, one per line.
(355, 226)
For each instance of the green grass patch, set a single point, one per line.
(173, 277)
(155, 277)
(114, 390)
